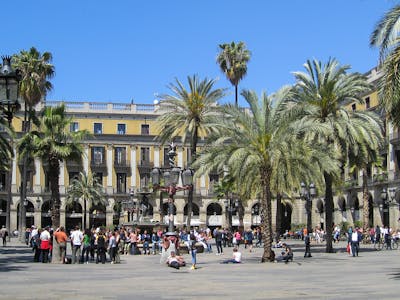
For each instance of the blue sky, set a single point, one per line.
(119, 51)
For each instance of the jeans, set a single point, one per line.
(76, 253)
(354, 248)
(85, 253)
(194, 253)
(219, 246)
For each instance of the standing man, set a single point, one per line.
(76, 241)
(218, 241)
(45, 244)
(308, 248)
(61, 241)
(355, 241)
(4, 235)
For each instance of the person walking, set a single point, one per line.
(193, 250)
(356, 237)
(4, 235)
(307, 242)
(76, 241)
(218, 241)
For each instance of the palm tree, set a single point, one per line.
(89, 189)
(364, 153)
(233, 60)
(386, 37)
(193, 114)
(249, 145)
(53, 143)
(322, 93)
(36, 70)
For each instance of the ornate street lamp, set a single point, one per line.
(307, 194)
(383, 207)
(231, 205)
(170, 177)
(9, 93)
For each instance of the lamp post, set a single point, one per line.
(231, 205)
(307, 194)
(387, 197)
(9, 93)
(170, 177)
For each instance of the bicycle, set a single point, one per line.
(393, 244)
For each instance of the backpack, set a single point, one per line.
(101, 241)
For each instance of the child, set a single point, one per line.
(236, 257)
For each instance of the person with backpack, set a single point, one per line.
(35, 241)
(101, 247)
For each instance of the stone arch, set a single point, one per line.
(214, 209)
(195, 210)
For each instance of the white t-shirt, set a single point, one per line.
(354, 236)
(76, 237)
(45, 235)
(237, 256)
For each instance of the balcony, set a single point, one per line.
(122, 165)
(98, 164)
(145, 166)
(73, 165)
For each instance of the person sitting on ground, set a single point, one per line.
(175, 261)
(236, 257)
(286, 255)
(278, 244)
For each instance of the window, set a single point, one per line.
(99, 177)
(72, 176)
(145, 154)
(353, 107)
(120, 155)
(3, 181)
(145, 129)
(98, 128)
(98, 155)
(367, 103)
(121, 183)
(74, 127)
(121, 128)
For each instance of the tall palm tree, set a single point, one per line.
(89, 189)
(364, 153)
(322, 93)
(53, 143)
(193, 114)
(250, 144)
(36, 70)
(233, 60)
(386, 37)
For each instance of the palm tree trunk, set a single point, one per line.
(266, 222)
(365, 201)
(22, 221)
(278, 230)
(193, 147)
(54, 174)
(84, 214)
(328, 212)
(241, 216)
(236, 95)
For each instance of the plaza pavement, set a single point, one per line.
(372, 275)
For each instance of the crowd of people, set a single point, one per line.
(100, 245)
